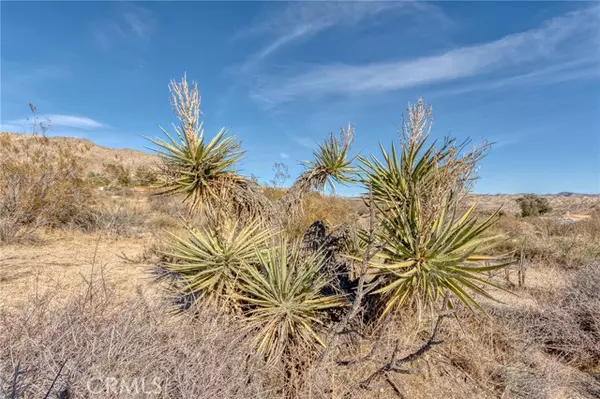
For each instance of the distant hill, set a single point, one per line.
(93, 157)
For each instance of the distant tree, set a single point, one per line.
(533, 205)
(254, 178)
(282, 173)
(37, 126)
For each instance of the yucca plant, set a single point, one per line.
(284, 300)
(331, 164)
(210, 262)
(425, 250)
(204, 171)
(422, 265)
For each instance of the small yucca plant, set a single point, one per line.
(204, 171)
(425, 250)
(284, 300)
(210, 262)
(332, 162)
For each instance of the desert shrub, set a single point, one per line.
(590, 226)
(567, 323)
(118, 174)
(533, 205)
(330, 209)
(172, 206)
(41, 188)
(146, 177)
(98, 179)
(274, 193)
(114, 218)
(552, 242)
(161, 222)
(99, 337)
(282, 173)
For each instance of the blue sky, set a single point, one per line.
(283, 75)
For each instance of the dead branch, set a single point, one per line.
(396, 365)
(360, 289)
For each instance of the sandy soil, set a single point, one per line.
(71, 261)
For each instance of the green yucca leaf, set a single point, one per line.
(209, 263)
(284, 301)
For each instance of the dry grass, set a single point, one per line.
(124, 348)
(552, 241)
(103, 337)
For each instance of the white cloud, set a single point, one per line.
(80, 122)
(562, 38)
(584, 69)
(57, 120)
(296, 21)
(283, 155)
(133, 23)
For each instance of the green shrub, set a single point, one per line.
(98, 179)
(533, 205)
(118, 174)
(146, 177)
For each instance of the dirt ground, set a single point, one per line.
(71, 261)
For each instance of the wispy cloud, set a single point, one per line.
(132, 23)
(584, 69)
(558, 40)
(293, 22)
(304, 141)
(56, 120)
(284, 155)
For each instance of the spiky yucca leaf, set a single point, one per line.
(415, 167)
(284, 299)
(209, 262)
(422, 267)
(203, 172)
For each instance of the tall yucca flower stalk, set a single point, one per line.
(425, 249)
(284, 300)
(203, 170)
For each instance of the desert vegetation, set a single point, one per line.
(203, 283)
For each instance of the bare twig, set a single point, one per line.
(360, 289)
(395, 364)
(55, 378)
(394, 385)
